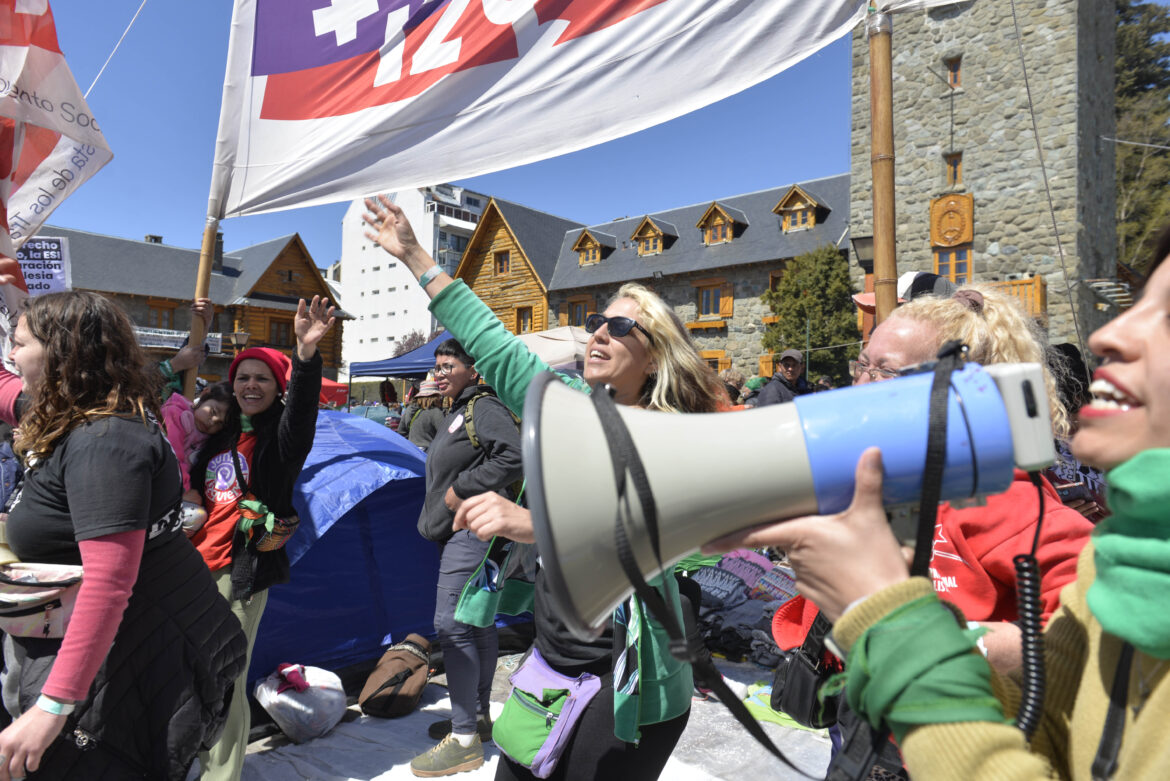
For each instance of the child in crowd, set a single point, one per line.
(187, 427)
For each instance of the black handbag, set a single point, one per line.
(797, 683)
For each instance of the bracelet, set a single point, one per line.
(55, 707)
(429, 275)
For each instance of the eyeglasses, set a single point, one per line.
(618, 325)
(444, 370)
(857, 368)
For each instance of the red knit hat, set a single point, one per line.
(277, 361)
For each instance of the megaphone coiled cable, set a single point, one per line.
(1031, 637)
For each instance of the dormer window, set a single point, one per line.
(798, 210)
(719, 222)
(651, 237)
(590, 247)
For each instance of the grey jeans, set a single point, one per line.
(469, 652)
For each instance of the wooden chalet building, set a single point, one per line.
(509, 263)
(255, 291)
(710, 261)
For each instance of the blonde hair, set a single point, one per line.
(682, 382)
(733, 376)
(999, 331)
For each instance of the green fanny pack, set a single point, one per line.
(541, 714)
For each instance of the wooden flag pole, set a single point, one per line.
(879, 28)
(202, 288)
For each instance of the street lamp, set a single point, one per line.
(863, 251)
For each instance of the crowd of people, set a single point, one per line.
(179, 551)
(937, 683)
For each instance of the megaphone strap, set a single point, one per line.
(625, 458)
(950, 359)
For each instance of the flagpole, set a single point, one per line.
(202, 289)
(879, 28)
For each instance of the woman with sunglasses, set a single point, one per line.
(641, 350)
(913, 667)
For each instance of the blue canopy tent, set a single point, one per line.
(362, 577)
(415, 363)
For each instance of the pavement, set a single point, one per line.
(362, 748)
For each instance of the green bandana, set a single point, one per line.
(246, 423)
(254, 512)
(1132, 553)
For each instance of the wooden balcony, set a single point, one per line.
(1031, 292)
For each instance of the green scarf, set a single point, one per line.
(246, 423)
(1132, 553)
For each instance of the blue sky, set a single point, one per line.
(158, 105)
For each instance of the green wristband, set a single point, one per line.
(429, 276)
(55, 707)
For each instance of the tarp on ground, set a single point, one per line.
(415, 363)
(362, 577)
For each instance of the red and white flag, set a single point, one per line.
(328, 100)
(50, 142)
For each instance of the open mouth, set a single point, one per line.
(1107, 396)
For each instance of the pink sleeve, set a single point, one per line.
(110, 569)
(9, 390)
(172, 414)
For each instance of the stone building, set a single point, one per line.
(971, 200)
(710, 261)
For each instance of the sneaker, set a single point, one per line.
(441, 729)
(448, 758)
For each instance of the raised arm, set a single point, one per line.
(505, 362)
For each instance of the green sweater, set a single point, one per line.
(1080, 663)
(508, 366)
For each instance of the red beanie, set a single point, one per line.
(277, 361)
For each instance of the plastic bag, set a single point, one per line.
(305, 702)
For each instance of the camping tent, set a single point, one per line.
(362, 577)
(415, 363)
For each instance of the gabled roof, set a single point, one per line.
(658, 224)
(539, 233)
(763, 240)
(734, 214)
(115, 265)
(603, 239)
(794, 192)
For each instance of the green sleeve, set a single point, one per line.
(910, 663)
(503, 360)
(172, 380)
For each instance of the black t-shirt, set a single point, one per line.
(111, 475)
(559, 647)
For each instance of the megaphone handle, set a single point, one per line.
(624, 455)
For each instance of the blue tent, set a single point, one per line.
(362, 576)
(415, 363)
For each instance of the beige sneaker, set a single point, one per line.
(448, 758)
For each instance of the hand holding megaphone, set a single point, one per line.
(841, 558)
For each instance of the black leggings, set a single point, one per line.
(595, 753)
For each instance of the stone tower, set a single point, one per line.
(970, 190)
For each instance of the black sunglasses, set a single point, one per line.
(618, 325)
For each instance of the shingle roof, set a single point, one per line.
(117, 265)
(539, 233)
(762, 239)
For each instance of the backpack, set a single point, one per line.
(516, 489)
(397, 682)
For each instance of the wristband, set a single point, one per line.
(55, 707)
(429, 276)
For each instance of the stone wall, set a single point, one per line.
(740, 339)
(1068, 47)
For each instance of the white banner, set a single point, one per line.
(329, 100)
(50, 142)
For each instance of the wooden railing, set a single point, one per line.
(1032, 293)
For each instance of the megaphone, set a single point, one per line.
(714, 474)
